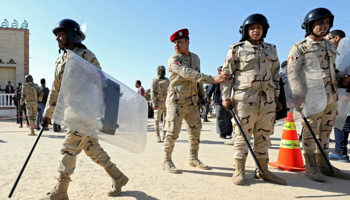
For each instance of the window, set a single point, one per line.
(11, 62)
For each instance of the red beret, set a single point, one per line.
(179, 34)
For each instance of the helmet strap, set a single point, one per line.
(64, 48)
(253, 41)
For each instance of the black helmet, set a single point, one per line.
(29, 78)
(74, 34)
(254, 19)
(315, 14)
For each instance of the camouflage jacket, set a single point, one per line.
(255, 69)
(184, 75)
(159, 89)
(325, 51)
(30, 94)
(56, 85)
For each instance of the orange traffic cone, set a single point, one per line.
(289, 156)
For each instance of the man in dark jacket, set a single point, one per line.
(223, 116)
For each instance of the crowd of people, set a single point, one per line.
(247, 86)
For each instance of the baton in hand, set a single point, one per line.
(25, 163)
(316, 140)
(245, 138)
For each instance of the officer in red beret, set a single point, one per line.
(182, 100)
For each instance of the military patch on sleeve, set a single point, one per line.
(178, 62)
(294, 57)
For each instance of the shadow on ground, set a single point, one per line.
(137, 195)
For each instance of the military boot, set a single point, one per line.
(267, 175)
(195, 162)
(59, 192)
(168, 164)
(32, 133)
(119, 180)
(312, 171)
(238, 177)
(157, 136)
(321, 162)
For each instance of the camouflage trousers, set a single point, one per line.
(73, 144)
(158, 115)
(32, 110)
(256, 119)
(321, 124)
(175, 115)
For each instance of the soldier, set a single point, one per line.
(29, 96)
(159, 87)
(69, 36)
(254, 92)
(317, 24)
(182, 99)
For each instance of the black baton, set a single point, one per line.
(25, 163)
(317, 143)
(245, 138)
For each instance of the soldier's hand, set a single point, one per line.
(45, 122)
(346, 80)
(222, 78)
(155, 107)
(227, 103)
(278, 104)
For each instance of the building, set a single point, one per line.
(14, 62)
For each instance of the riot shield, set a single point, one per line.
(343, 65)
(93, 103)
(303, 85)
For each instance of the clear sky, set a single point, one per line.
(131, 38)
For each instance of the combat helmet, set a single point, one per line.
(74, 33)
(315, 14)
(29, 78)
(254, 19)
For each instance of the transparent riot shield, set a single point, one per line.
(303, 85)
(343, 65)
(93, 103)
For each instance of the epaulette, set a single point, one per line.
(236, 44)
(268, 44)
(301, 45)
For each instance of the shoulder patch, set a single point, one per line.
(178, 62)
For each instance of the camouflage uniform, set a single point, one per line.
(253, 90)
(75, 142)
(182, 104)
(30, 92)
(321, 123)
(159, 87)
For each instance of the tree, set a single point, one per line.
(148, 95)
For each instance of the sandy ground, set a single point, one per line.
(148, 181)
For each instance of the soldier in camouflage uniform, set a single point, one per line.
(159, 87)
(69, 36)
(317, 24)
(254, 91)
(182, 99)
(30, 94)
